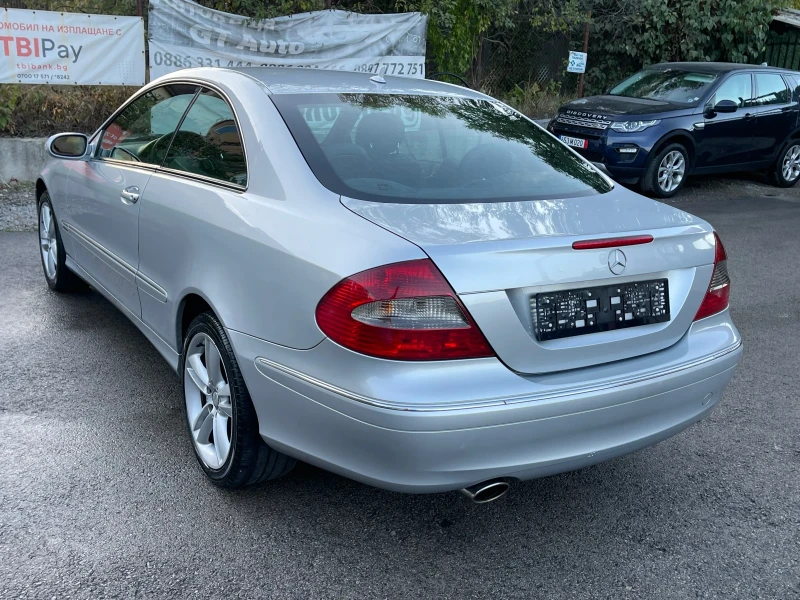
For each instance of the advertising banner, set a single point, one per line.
(38, 46)
(183, 34)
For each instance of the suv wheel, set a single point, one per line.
(222, 420)
(666, 171)
(787, 168)
(51, 250)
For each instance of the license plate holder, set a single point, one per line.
(574, 142)
(582, 311)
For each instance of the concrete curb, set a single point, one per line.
(21, 158)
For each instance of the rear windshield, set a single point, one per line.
(431, 149)
(682, 87)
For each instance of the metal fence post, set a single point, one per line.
(585, 50)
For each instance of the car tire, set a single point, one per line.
(227, 412)
(666, 171)
(786, 171)
(51, 250)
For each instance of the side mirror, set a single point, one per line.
(71, 146)
(724, 106)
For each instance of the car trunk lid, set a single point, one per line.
(499, 256)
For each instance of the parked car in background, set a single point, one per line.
(399, 280)
(672, 120)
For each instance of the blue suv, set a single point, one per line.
(675, 119)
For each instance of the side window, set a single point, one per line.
(208, 142)
(738, 88)
(794, 87)
(142, 132)
(771, 89)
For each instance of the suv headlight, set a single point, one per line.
(633, 126)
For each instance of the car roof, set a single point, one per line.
(715, 67)
(292, 80)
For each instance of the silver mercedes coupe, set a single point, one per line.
(402, 281)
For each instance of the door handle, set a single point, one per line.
(130, 195)
(748, 116)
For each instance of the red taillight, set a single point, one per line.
(402, 311)
(719, 290)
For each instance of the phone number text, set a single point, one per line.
(185, 61)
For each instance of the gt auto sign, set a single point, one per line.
(185, 34)
(73, 49)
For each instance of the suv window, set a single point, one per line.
(208, 142)
(142, 131)
(771, 89)
(738, 88)
(670, 85)
(794, 87)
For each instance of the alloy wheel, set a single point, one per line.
(791, 164)
(671, 171)
(48, 241)
(208, 401)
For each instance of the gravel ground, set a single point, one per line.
(738, 185)
(17, 207)
(100, 496)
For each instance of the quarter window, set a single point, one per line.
(208, 142)
(143, 130)
(771, 89)
(738, 88)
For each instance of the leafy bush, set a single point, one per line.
(7, 106)
(537, 101)
(626, 35)
(34, 110)
(456, 28)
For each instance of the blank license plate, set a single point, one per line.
(574, 142)
(604, 308)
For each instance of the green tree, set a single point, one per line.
(456, 27)
(626, 35)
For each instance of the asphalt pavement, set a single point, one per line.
(100, 495)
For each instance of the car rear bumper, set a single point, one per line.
(582, 420)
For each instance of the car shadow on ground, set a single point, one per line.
(89, 312)
(599, 489)
(750, 184)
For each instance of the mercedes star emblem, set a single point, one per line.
(617, 262)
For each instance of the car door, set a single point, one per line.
(725, 139)
(103, 193)
(776, 115)
(187, 205)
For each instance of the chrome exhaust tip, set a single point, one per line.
(486, 491)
